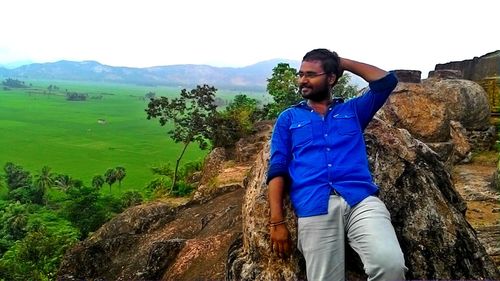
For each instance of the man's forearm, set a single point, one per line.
(366, 71)
(276, 190)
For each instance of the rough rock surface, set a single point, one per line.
(477, 68)
(427, 213)
(408, 76)
(443, 113)
(157, 241)
(474, 182)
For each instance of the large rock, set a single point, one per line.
(430, 110)
(156, 241)
(427, 213)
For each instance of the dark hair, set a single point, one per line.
(329, 60)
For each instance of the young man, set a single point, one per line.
(318, 155)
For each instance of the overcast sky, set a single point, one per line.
(392, 34)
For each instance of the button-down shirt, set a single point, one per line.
(320, 153)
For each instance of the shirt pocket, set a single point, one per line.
(301, 132)
(346, 124)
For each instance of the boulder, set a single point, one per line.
(445, 74)
(426, 210)
(156, 241)
(438, 111)
(408, 76)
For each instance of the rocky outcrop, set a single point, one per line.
(484, 70)
(427, 213)
(156, 241)
(475, 69)
(408, 76)
(450, 115)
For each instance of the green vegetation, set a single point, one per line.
(283, 87)
(82, 139)
(59, 154)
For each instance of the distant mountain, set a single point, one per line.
(15, 64)
(252, 77)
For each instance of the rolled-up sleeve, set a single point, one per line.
(369, 103)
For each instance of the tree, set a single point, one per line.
(150, 95)
(16, 176)
(120, 175)
(110, 177)
(190, 114)
(44, 180)
(84, 210)
(98, 181)
(64, 182)
(283, 87)
(343, 89)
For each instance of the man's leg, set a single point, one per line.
(321, 241)
(371, 234)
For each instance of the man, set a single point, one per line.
(318, 155)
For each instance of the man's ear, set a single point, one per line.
(332, 79)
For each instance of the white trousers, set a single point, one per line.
(368, 229)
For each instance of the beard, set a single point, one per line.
(313, 94)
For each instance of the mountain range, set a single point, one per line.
(250, 78)
(253, 77)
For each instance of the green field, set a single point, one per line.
(85, 138)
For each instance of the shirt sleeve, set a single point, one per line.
(369, 103)
(280, 148)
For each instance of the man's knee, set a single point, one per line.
(389, 266)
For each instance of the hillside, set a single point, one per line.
(252, 77)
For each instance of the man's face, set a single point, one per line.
(314, 83)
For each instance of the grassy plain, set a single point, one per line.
(38, 128)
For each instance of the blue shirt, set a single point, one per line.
(320, 153)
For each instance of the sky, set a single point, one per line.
(391, 34)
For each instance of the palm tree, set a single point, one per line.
(110, 177)
(63, 181)
(44, 181)
(98, 181)
(119, 175)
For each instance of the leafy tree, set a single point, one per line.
(150, 95)
(343, 89)
(227, 131)
(131, 198)
(283, 87)
(20, 185)
(13, 223)
(44, 180)
(16, 176)
(83, 209)
(120, 174)
(190, 114)
(64, 182)
(14, 83)
(110, 177)
(98, 181)
(38, 254)
(245, 111)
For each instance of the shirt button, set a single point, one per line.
(327, 149)
(326, 135)
(329, 165)
(298, 125)
(330, 183)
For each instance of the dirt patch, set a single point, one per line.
(473, 182)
